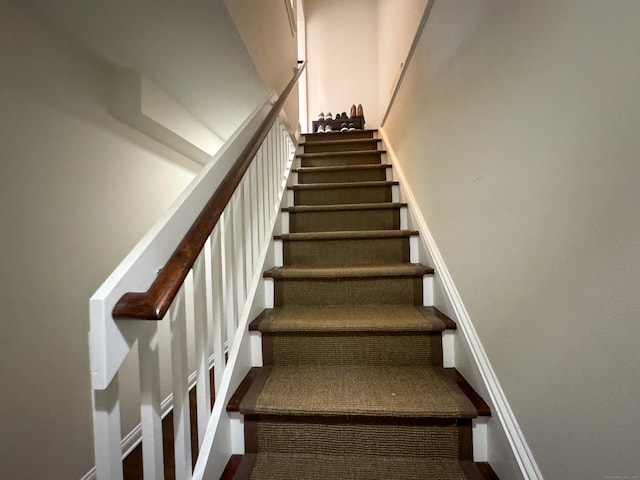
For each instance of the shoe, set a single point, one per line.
(328, 129)
(352, 127)
(320, 129)
(320, 116)
(359, 111)
(343, 127)
(344, 115)
(328, 116)
(352, 112)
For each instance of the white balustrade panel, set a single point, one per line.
(212, 304)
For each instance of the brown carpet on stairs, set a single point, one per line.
(326, 467)
(398, 391)
(352, 385)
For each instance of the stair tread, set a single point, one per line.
(285, 466)
(361, 390)
(346, 235)
(339, 168)
(358, 271)
(356, 153)
(336, 185)
(341, 142)
(348, 318)
(344, 206)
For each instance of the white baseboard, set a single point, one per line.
(512, 431)
(134, 437)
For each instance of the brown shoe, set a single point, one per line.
(360, 112)
(352, 113)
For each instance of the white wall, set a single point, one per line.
(190, 50)
(270, 40)
(517, 127)
(342, 48)
(397, 25)
(77, 190)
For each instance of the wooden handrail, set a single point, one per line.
(155, 302)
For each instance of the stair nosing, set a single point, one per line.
(356, 153)
(341, 185)
(345, 206)
(408, 270)
(340, 168)
(345, 235)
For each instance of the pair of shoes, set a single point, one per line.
(341, 116)
(356, 111)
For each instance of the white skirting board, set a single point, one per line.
(522, 457)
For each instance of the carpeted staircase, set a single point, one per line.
(353, 385)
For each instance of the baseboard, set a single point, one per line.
(506, 417)
(134, 437)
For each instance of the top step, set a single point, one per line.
(331, 136)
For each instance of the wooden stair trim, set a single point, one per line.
(341, 185)
(478, 402)
(344, 207)
(449, 323)
(249, 388)
(357, 153)
(239, 467)
(486, 471)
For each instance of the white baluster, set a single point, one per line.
(106, 431)
(180, 374)
(150, 412)
(216, 300)
(229, 276)
(201, 331)
(249, 253)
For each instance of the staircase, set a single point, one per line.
(353, 385)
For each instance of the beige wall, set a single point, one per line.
(397, 25)
(271, 42)
(190, 50)
(517, 127)
(78, 189)
(343, 57)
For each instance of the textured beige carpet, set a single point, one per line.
(413, 391)
(332, 467)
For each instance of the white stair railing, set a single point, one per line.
(188, 316)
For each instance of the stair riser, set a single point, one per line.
(367, 175)
(338, 160)
(318, 137)
(354, 220)
(346, 252)
(343, 196)
(341, 147)
(337, 436)
(355, 291)
(353, 348)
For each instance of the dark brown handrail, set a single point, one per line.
(155, 302)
